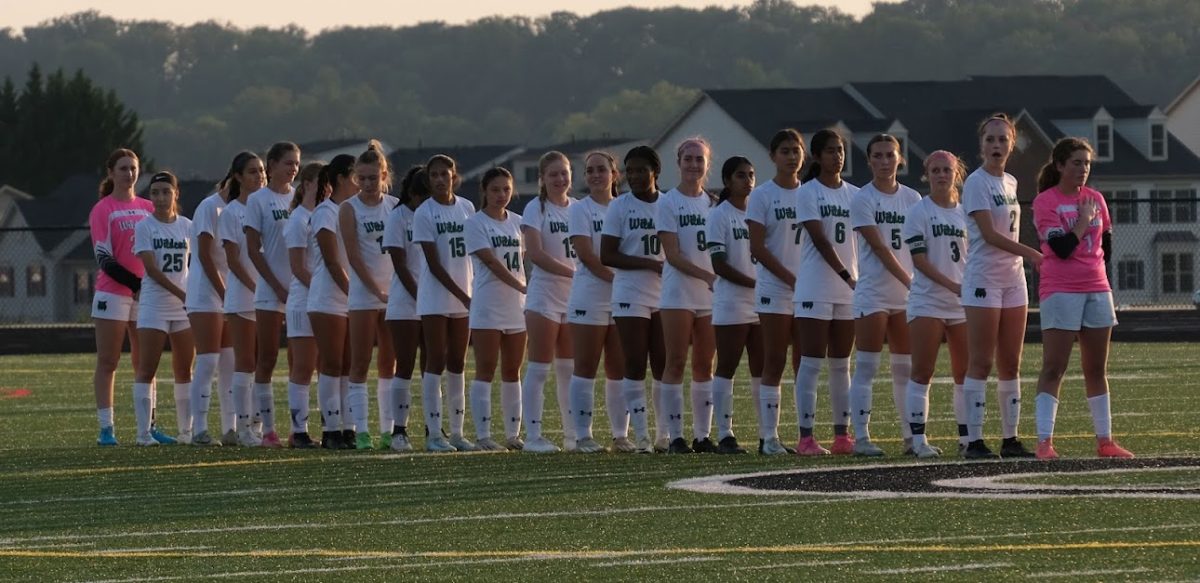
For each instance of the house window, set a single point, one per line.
(7, 288)
(1173, 206)
(85, 286)
(1131, 274)
(531, 175)
(35, 280)
(1158, 140)
(1124, 206)
(1104, 141)
(1177, 273)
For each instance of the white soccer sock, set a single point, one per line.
(243, 401)
(298, 408)
(917, 407)
(383, 400)
(769, 399)
(960, 411)
(344, 392)
(105, 417)
(660, 412)
(975, 395)
(1045, 411)
(330, 401)
(1100, 405)
(481, 408)
(401, 401)
(755, 385)
(701, 393)
(183, 407)
(456, 401)
(201, 391)
(431, 402)
(806, 390)
(225, 390)
(265, 398)
(141, 407)
(358, 405)
(1008, 393)
(635, 399)
(618, 410)
(563, 367)
(722, 398)
(153, 402)
(533, 398)
(901, 371)
(510, 407)
(583, 403)
(839, 390)
(862, 392)
(672, 400)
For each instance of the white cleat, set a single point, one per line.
(589, 445)
(771, 446)
(540, 445)
(925, 451)
(462, 444)
(623, 445)
(864, 447)
(146, 440)
(247, 438)
(514, 443)
(488, 444)
(437, 445)
(644, 445)
(184, 438)
(400, 442)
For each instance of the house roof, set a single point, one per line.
(582, 146)
(1175, 237)
(318, 146)
(764, 111)
(471, 161)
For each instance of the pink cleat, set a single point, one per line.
(1045, 450)
(842, 445)
(1108, 448)
(271, 440)
(808, 446)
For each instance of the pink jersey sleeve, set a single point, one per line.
(112, 224)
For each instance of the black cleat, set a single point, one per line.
(1012, 447)
(301, 441)
(729, 445)
(704, 446)
(349, 439)
(331, 440)
(978, 450)
(678, 445)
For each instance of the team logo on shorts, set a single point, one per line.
(581, 313)
(102, 305)
(623, 306)
(764, 301)
(980, 292)
(806, 305)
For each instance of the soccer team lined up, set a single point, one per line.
(357, 270)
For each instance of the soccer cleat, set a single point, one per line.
(1109, 449)
(589, 445)
(643, 445)
(349, 439)
(842, 445)
(729, 445)
(462, 444)
(363, 440)
(925, 451)
(704, 445)
(246, 438)
(569, 445)
(331, 440)
(204, 439)
(1045, 449)
(678, 445)
(385, 441)
(107, 437)
(400, 442)
(623, 445)
(488, 444)
(161, 437)
(514, 443)
(439, 445)
(908, 448)
(978, 450)
(1012, 447)
(771, 446)
(230, 438)
(808, 446)
(662, 444)
(864, 447)
(184, 437)
(301, 441)
(540, 445)
(146, 439)
(271, 440)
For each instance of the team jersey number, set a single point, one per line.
(568, 248)
(897, 242)
(955, 253)
(458, 247)
(1012, 221)
(379, 240)
(172, 263)
(701, 241)
(839, 233)
(651, 245)
(512, 260)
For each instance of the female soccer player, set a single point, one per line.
(545, 229)
(686, 300)
(775, 246)
(239, 293)
(328, 309)
(498, 287)
(589, 310)
(266, 215)
(735, 325)
(114, 306)
(360, 224)
(401, 316)
(302, 259)
(1075, 231)
(439, 225)
(993, 289)
(629, 244)
(935, 230)
(822, 302)
(885, 270)
(161, 242)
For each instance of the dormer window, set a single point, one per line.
(1158, 141)
(1104, 141)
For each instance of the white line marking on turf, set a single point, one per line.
(640, 562)
(1013, 482)
(938, 569)
(802, 564)
(1053, 574)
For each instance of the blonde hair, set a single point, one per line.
(375, 156)
(956, 164)
(544, 162)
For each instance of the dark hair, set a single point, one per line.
(277, 150)
(881, 138)
(449, 163)
(612, 166)
(649, 156)
(165, 177)
(310, 171)
(547, 159)
(491, 174)
(235, 169)
(374, 156)
(820, 141)
(1049, 176)
(785, 135)
(340, 166)
(727, 169)
(106, 185)
(413, 184)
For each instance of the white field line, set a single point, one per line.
(802, 564)
(641, 562)
(230, 575)
(1020, 481)
(938, 569)
(1089, 573)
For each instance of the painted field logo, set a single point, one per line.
(1021, 479)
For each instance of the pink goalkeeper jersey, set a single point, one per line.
(112, 222)
(1054, 215)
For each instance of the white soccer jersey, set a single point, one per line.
(398, 233)
(297, 234)
(870, 208)
(774, 207)
(495, 304)
(201, 295)
(444, 226)
(324, 295)
(632, 221)
(816, 281)
(989, 266)
(369, 223)
(941, 235)
(588, 292)
(267, 212)
(548, 292)
(170, 244)
(238, 297)
(687, 217)
(727, 234)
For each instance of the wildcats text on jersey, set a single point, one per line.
(785, 213)
(169, 244)
(280, 214)
(691, 220)
(505, 241)
(443, 228)
(833, 210)
(373, 226)
(636, 223)
(889, 217)
(558, 227)
(947, 231)
(1001, 199)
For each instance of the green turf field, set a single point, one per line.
(70, 511)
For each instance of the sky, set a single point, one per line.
(316, 16)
